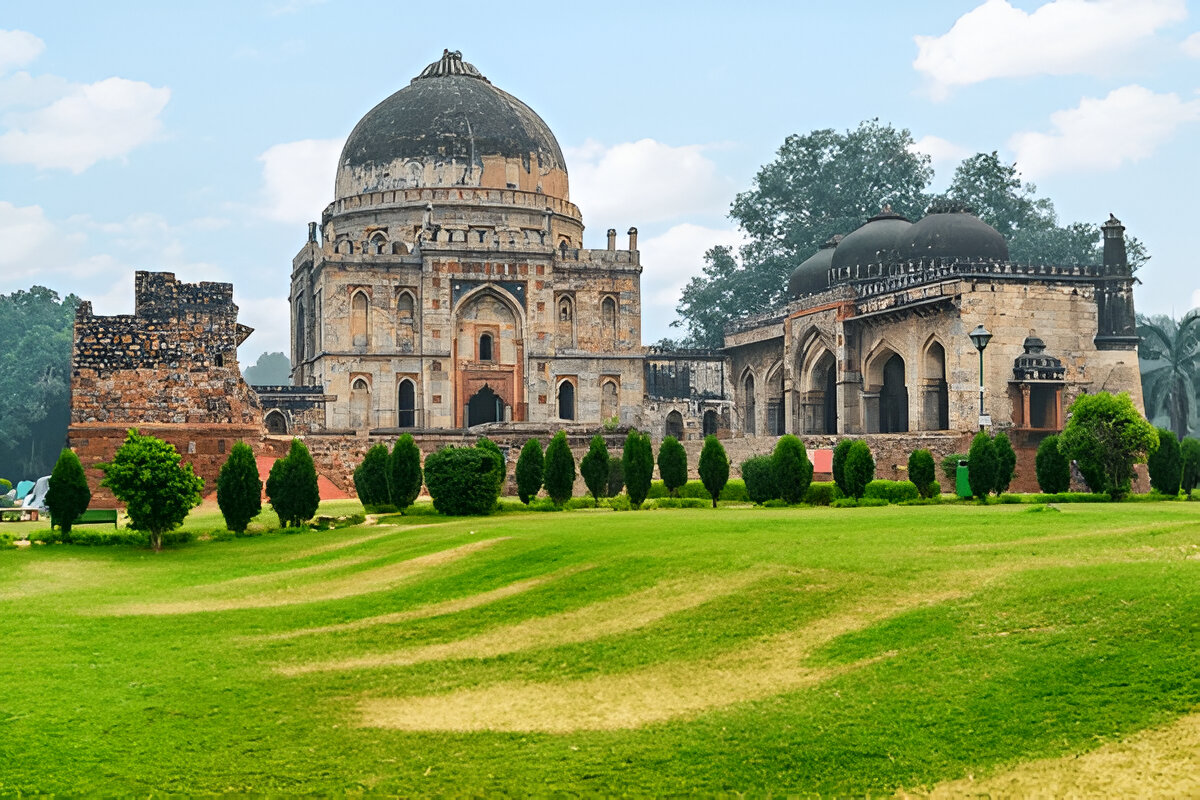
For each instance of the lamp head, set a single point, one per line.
(980, 337)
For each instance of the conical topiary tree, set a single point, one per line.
(1053, 468)
(68, 495)
(791, 468)
(859, 469)
(672, 465)
(594, 467)
(239, 488)
(530, 471)
(1006, 462)
(371, 479)
(982, 465)
(404, 472)
(637, 462)
(292, 486)
(1165, 464)
(713, 467)
(923, 473)
(839, 464)
(560, 469)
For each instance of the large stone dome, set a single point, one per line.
(874, 242)
(451, 127)
(953, 232)
(812, 275)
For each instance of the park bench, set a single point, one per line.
(97, 516)
(18, 515)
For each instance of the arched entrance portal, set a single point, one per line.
(484, 406)
(406, 405)
(710, 423)
(893, 398)
(675, 425)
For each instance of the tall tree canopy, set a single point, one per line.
(1169, 354)
(36, 329)
(830, 182)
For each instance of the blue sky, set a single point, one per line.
(200, 138)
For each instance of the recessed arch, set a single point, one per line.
(749, 398)
(378, 243)
(360, 318)
(360, 403)
(609, 400)
(935, 411)
(566, 399)
(776, 425)
(674, 425)
(406, 305)
(275, 422)
(406, 404)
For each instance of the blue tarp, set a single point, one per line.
(23, 488)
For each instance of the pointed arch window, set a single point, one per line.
(486, 347)
(566, 400)
(360, 309)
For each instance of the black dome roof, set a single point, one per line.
(953, 232)
(812, 275)
(874, 242)
(450, 111)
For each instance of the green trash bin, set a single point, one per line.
(962, 481)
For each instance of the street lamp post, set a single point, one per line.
(980, 338)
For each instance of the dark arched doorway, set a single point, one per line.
(566, 400)
(275, 421)
(830, 401)
(748, 394)
(484, 406)
(407, 404)
(710, 423)
(675, 425)
(893, 398)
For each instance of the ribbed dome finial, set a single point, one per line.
(451, 63)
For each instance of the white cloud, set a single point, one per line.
(92, 123)
(1063, 37)
(637, 183)
(18, 48)
(271, 319)
(25, 232)
(1191, 46)
(942, 151)
(670, 260)
(298, 179)
(1125, 126)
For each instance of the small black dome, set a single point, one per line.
(874, 242)
(953, 232)
(812, 275)
(450, 111)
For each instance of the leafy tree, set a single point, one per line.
(1053, 468)
(1189, 451)
(759, 476)
(239, 488)
(922, 472)
(371, 479)
(594, 466)
(982, 465)
(1106, 436)
(404, 472)
(157, 490)
(462, 480)
(68, 495)
(824, 183)
(1169, 353)
(637, 463)
(793, 471)
(560, 469)
(271, 369)
(500, 474)
(713, 467)
(840, 451)
(1165, 464)
(859, 469)
(37, 332)
(292, 486)
(672, 465)
(529, 471)
(950, 465)
(1006, 461)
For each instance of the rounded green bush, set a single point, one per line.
(559, 469)
(1052, 467)
(462, 480)
(793, 471)
(922, 472)
(859, 469)
(760, 479)
(982, 465)
(714, 467)
(672, 465)
(404, 472)
(371, 479)
(821, 493)
(840, 451)
(500, 473)
(239, 488)
(594, 467)
(530, 467)
(892, 491)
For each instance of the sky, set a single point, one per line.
(200, 138)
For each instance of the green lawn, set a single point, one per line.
(833, 651)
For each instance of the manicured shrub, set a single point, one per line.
(1106, 436)
(1165, 464)
(859, 469)
(404, 472)
(793, 471)
(950, 465)
(840, 451)
(637, 462)
(68, 495)
(371, 480)
(530, 467)
(982, 465)
(1006, 462)
(760, 479)
(560, 469)
(619, 502)
(672, 465)
(1053, 468)
(892, 491)
(1189, 452)
(157, 490)
(594, 466)
(292, 487)
(734, 491)
(500, 473)
(657, 489)
(680, 502)
(239, 488)
(922, 473)
(821, 493)
(714, 467)
(462, 480)
(616, 477)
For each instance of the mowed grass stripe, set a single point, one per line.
(605, 618)
(433, 610)
(362, 582)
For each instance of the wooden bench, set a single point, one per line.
(18, 515)
(97, 516)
